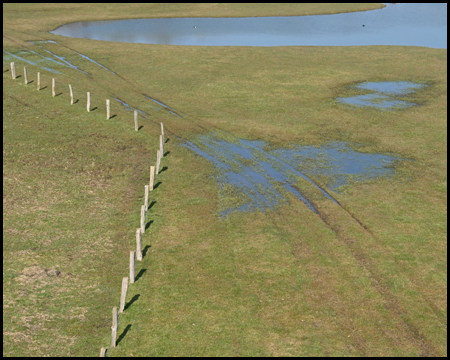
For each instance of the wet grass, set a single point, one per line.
(365, 278)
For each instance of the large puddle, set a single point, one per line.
(259, 178)
(387, 95)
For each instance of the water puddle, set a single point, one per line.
(387, 95)
(67, 63)
(95, 62)
(257, 178)
(128, 107)
(27, 53)
(169, 109)
(42, 42)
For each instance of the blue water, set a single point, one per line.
(259, 178)
(395, 24)
(384, 95)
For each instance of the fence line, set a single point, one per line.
(134, 255)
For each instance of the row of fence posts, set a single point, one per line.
(136, 255)
(88, 104)
(139, 231)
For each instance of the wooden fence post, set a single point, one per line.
(114, 327)
(146, 197)
(131, 267)
(158, 160)
(124, 294)
(53, 87)
(71, 94)
(135, 120)
(162, 130)
(143, 219)
(39, 81)
(13, 71)
(103, 352)
(107, 109)
(138, 244)
(25, 75)
(161, 146)
(152, 177)
(88, 101)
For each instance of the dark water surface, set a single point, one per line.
(396, 24)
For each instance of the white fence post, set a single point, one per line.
(71, 94)
(152, 177)
(146, 198)
(131, 267)
(138, 244)
(88, 101)
(158, 160)
(13, 71)
(114, 327)
(143, 219)
(124, 294)
(135, 120)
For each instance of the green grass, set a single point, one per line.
(367, 279)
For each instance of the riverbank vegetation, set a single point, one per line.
(367, 278)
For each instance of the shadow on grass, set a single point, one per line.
(76, 101)
(42, 88)
(94, 108)
(157, 184)
(138, 276)
(134, 299)
(112, 117)
(18, 76)
(167, 140)
(124, 333)
(166, 153)
(29, 82)
(140, 127)
(163, 169)
(148, 224)
(58, 94)
(144, 251)
(151, 204)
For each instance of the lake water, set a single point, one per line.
(396, 24)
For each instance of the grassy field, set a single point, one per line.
(367, 278)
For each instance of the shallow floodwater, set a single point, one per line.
(395, 24)
(383, 95)
(256, 176)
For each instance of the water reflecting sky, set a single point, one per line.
(396, 24)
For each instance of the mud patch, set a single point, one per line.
(36, 273)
